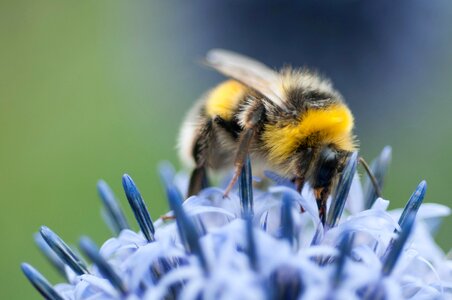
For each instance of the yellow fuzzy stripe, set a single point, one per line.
(224, 98)
(315, 127)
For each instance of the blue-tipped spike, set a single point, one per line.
(246, 188)
(166, 172)
(187, 229)
(50, 254)
(159, 268)
(201, 228)
(40, 283)
(63, 251)
(92, 252)
(414, 202)
(138, 207)
(115, 214)
(395, 249)
(278, 179)
(379, 168)
(287, 223)
(264, 224)
(251, 250)
(318, 235)
(340, 197)
(411, 208)
(285, 283)
(375, 291)
(345, 248)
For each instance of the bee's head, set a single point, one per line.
(325, 167)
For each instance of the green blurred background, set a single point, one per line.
(92, 90)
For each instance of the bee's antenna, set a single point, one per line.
(371, 176)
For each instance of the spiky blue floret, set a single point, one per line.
(392, 256)
(258, 244)
(138, 207)
(413, 203)
(251, 250)
(246, 188)
(411, 209)
(285, 283)
(390, 260)
(63, 251)
(345, 248)
(54, 259)
(345, 182)
(279, 180)
(40, 283)
(92, 252)
(287, 222)
(114, 212)
(187, 229)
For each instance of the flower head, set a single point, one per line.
(258, 244)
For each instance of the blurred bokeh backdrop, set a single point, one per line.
(94, 89)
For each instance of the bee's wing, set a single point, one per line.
(248, 71)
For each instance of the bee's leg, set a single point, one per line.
(198, 181)
(244, 144)
(252, 121)
(299, 183)
(327, 165)
(198, 178)
(304, 160)
(321, 196)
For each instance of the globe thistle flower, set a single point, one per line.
(257, 244)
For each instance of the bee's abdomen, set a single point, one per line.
(224, 100)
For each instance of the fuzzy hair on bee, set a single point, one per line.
(291, 121)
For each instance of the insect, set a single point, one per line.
(291, 121)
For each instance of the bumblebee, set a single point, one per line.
(291, 121)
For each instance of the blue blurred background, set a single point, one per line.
(92, 90)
